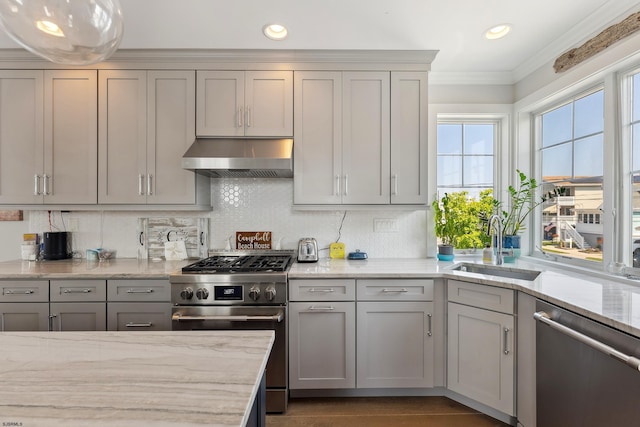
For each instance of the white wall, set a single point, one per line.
(239, 205)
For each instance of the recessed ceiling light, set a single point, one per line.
(497, 32)
(275, 31)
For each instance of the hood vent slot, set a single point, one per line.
(240, 158)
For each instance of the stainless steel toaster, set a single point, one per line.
(307, 250)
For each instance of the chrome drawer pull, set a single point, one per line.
(633, 362)
(25, 292)
(314, 308)
(390, 291)
(139, 325)
(322, 290)
(430, 320)
(139, 291)
(76, 291)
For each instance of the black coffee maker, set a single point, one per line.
(56, 245)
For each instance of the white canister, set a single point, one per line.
(28, 251)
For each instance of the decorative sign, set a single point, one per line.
(253, 240)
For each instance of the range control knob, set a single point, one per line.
(186, 293)
(270, 293)
(254, 293)
(202, 293)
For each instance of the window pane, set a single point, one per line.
(589, 115)
(478, 171)
(636, 98)
(588, 157)
(635, 132)
(556, 163)
(450, 139)
(449, 171)
(478, 139)
(556, 126)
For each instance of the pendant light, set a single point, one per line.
(73, 32)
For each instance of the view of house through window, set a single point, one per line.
(572, 164)
(634, 127)
(465, 154)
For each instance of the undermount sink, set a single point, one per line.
(494, 270)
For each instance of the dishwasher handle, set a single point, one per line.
(631, 361)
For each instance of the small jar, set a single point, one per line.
(487, 255)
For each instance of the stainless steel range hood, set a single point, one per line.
(227, 157)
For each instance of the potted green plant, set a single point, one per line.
(445, 226)
(522, 201)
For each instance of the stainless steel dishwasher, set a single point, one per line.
(587, 373)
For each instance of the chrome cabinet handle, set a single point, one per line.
(631, 361)
(506, 336)
(240, 116)
(336, 190)
(51, 319)
(149, 185)
(36, 185)
(322, 290)
(138, 325)
(390, 291)
(394, 178)
(76, 291)
(140, 185)
(429, 324)
(25, 292)
(314, 308)
(45, 180)
(248, 117)
(139, 291)
(346, 184)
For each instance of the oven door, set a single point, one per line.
(225, 318)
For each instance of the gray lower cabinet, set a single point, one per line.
(138, 305)
(481, 344)
(78, 305)
(322, 328)
(24, 305)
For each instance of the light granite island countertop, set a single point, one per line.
(186, 378)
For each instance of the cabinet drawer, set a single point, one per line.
(78, 290)
(127, 316)
(138, 290)
(395, 290)
(482, 296)
(322, 290)
(24, 291)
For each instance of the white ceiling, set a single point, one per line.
(542, 29)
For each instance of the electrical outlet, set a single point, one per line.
(385, 225)
(72, 224)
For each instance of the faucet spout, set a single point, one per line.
(493, 219)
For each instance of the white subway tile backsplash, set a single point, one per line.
(255, 204)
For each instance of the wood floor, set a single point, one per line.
(378, 412)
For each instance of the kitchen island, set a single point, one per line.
(187, 378)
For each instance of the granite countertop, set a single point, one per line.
(119, 268)
(185, 378)
(607, 299)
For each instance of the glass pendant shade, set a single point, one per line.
(74, 32)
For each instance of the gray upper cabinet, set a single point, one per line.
(48, 137)
(244, 103)
(146, 123)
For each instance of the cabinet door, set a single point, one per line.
(366, 138)
(128, 316)
(122, 130)
(220, 103)
(78, 316)
(409, 137)
(481, 356)
(70, 137)
(170, 132)
(321, 345)
(17, 317)
(21, 136)
(318, 137)
(395, 344)
(269, 103)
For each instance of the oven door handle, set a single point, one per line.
(239, 318)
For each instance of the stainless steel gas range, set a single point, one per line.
(235, 291)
